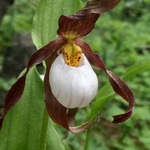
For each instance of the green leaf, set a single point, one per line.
(53, 139)
(45, 23)
(23, 124)
(45, 26)
(135, 69)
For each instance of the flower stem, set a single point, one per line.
(86, 146)
(44, 130)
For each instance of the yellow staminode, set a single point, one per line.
(72, 54)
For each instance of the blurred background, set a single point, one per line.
(122, 38)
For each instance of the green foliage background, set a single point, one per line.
(122, 38)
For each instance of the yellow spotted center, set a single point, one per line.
(72, 54)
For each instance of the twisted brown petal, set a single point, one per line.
(123, 90)
(17, 89)
(118, 85)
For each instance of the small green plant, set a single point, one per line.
(28, 126)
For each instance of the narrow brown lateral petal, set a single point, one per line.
(124, 91)
(118, 85)
(93, 58)
(13, 96)
(17, 89)
(15, 93)
(70, 26)
(44, 52)
(56, 111)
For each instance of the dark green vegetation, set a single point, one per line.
(122, 38)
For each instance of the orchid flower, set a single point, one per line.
(70, 81)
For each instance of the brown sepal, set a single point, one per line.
(118, 85)
(76, 27)
(16, 91)
(82, 22)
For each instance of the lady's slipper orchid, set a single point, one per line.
(70, 81)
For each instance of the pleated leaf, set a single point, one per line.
(25, 126)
